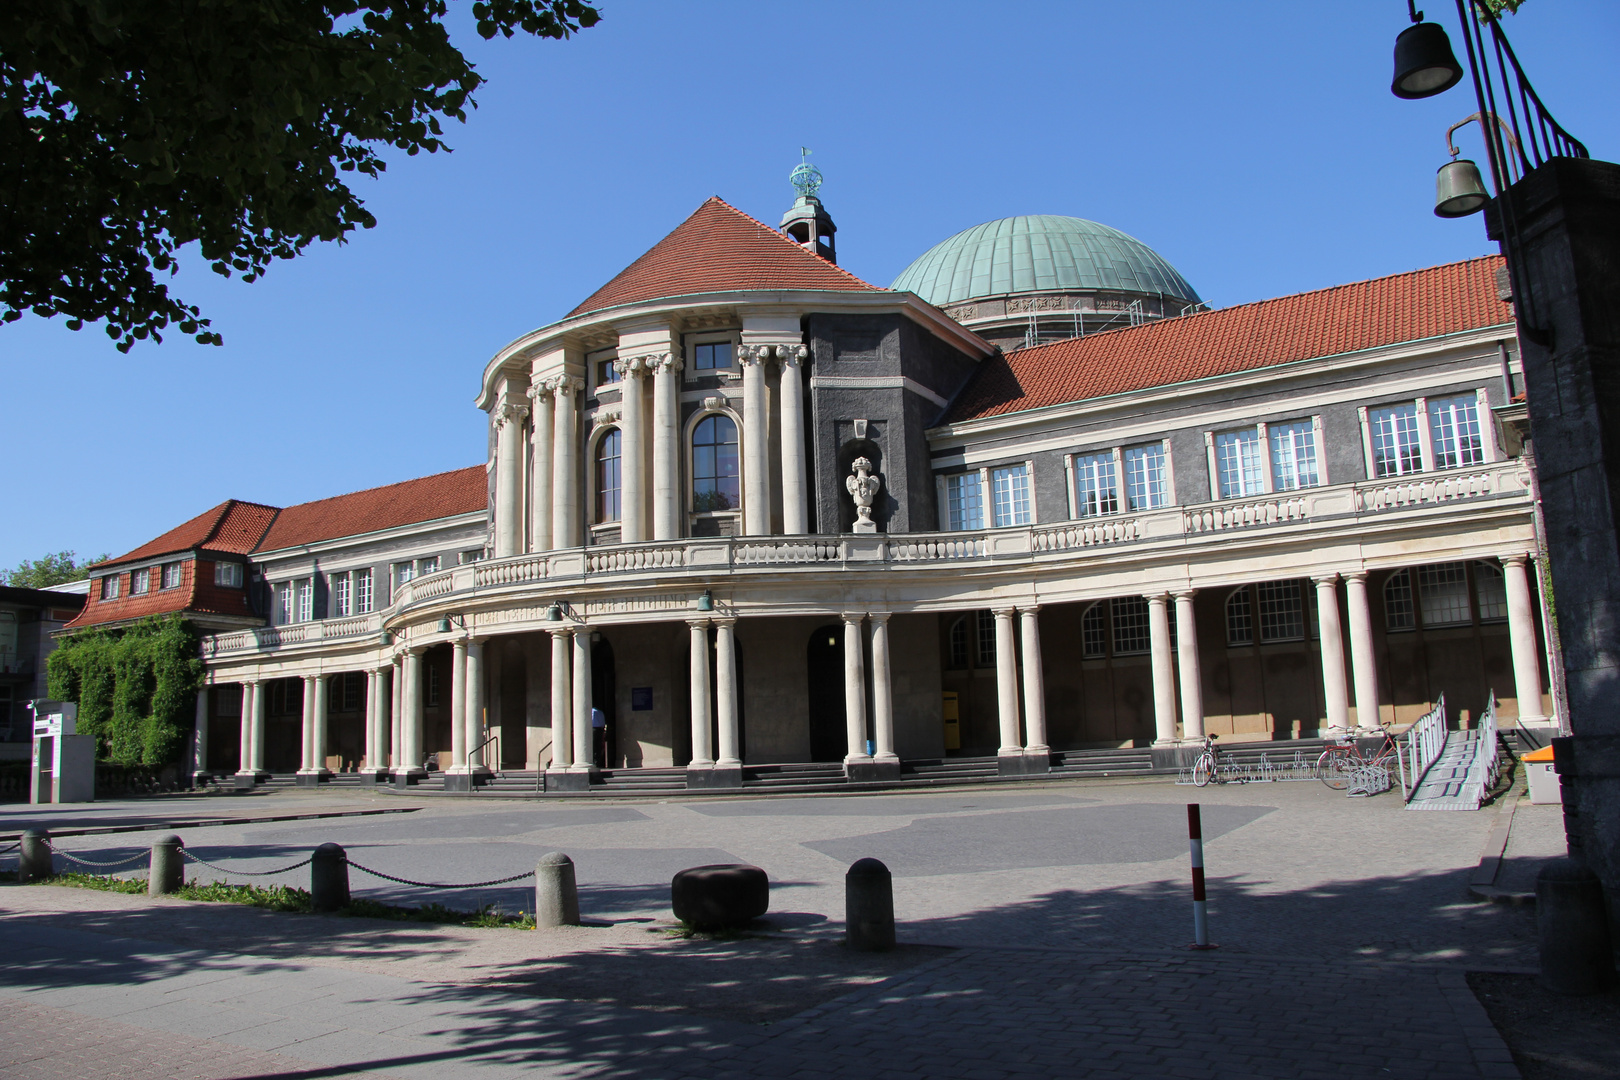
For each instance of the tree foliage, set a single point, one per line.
(131, 128)
(42, 573)
(136, 687)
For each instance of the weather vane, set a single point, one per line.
(805, 177)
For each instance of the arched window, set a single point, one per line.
(607, 477)
(1398, 602)
(1239, 618)
(1490, 592)
(987, 639)
(1094, 632)
(959, 645)
(715, 474)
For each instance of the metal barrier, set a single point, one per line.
(1246, 772)
(1421, 745)
(1486, 764)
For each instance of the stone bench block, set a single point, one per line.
(720, 896)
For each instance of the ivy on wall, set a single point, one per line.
(136, 687)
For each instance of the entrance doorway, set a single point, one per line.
(824, 665)
(604, 686)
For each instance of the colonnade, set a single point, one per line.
(554, 493)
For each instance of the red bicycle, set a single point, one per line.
(1339, 762)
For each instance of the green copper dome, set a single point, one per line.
(1039, 253)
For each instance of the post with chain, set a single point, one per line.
(34, 856)
(556, 894)
(168, 867)
(329, 878)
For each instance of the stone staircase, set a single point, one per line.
(1124, 761)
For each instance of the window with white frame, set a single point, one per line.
(964, 501)
(228, 574)
(363, 597)
(1454, 433)
(342, 596)
(306, 599)
(294, 601)
(1096, 491)
(110, 587)
(140, 582)
(1132, 630)
(1443, 594)
(608, 479)
(1398, 609)
(171, 575)
(1490, 592)
(1239, 618)
(987, 639)
(1282, 610)
(1145, 483)
(716, 465)
(607, 372)
(351, 690)
(957, 660)
(1240, 463)
(429, 565)
(404, 572)
(1293, 455)
(1011, 488)
(1396, 448)
(1094, 632)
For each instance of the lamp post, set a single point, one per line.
(1556, 214)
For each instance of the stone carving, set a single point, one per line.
(792, 355)
(863, 488)
(665, 364)
(509, 412)
(539, 390)
(753, 354)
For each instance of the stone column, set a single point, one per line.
(562, 726)
(633, 509)
(666, 447)
(386, 717)
(756, 451)
(368, 729)
(1192, 677)
(199, 735)
(509, 414)
(244, 749)
(702, 751)
(475, 704)
(1012, 744)
(854, 692)
(1334, 695)
(1164, 674)
(565, 494)
(584, 760)
(1522, 640)
(410, 694)
(306, 746)
(257, 739)
(323, 716)
(396, 718)
(795, 503)
(540, 511)
(882, 696)
(725, 695)
(1363, 657)
(1036, 749)
(458, 704)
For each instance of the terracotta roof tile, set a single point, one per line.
(462, 491)
(720, 249)
(1347, 318)
(233, 526)
(196, 594)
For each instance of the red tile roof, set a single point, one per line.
(232, 526)
(427, 498)
(196, 594)
(720, 249)
(1347, 318)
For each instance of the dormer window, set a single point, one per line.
(109, 587)
(140, 582)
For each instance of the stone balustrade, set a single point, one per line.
(274, 637)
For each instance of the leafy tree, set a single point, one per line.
(50, 570)
(131, 128)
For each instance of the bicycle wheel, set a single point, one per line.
(1202, 771)
(1333, 769)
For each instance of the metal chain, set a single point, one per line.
(246, 873)
(13, 847)
(101, 865)
(439, 885)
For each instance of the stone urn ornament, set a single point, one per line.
(863, 487)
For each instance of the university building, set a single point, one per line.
(1033, 500)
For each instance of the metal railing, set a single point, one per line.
(1420, 747)
(1486, 763)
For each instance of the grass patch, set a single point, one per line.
(289, 898)
(685, 931)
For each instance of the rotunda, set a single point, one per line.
(1024, 280)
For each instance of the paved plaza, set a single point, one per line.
(1044, 932)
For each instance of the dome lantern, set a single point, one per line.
(808, 222)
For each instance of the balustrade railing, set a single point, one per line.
(1237, 515)
(946, 546)
(783, 552)
(274, 637)
(634, 557)
(1073, 535)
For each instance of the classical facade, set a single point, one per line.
(1032, 500)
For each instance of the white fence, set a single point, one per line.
(1421, 745)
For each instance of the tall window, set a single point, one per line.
(1094, 632)
(1293, 456)
(140, 582)
(362, 591)
(1095, 489)
(1396, 450)
(608, 477)
(1398, 612)
(1145, 486)
(712, 356)
(958, 659)
(1490, 592)
(1443, 594)
(171, 575)
(295, 600)
(1011, 486)
(404, 572)
(716, 483)
(1240, 463)
(1239, 618)
(433, 685)
(351, 691)
(1132, 631)
(964, 499)
(987, 639)
(1454, 432)
(1282, 610)
(342, 597)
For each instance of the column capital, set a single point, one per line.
(1354, 575)
(852, 618)
(1329, 578)
(667, 363)
(1156, 597)
(1029, 609)
(1003, 612)
(1184, 594)
(560, 631)
(1515, 557)
(792, 355)
(565, 384)
(879, 617)
(309, 678)
(698, 624)
(726, 621)
(752, 355)
(634, 367)
(508, 412)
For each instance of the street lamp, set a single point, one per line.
(1459, 188)
(1424, 63)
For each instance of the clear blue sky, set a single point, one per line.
(1256, 146)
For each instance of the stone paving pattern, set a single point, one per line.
(1343, 924)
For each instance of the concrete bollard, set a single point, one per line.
(556, 893)
(1573, 928)
(168, 867)
(34, 856)
(329, 878)
(869, 907)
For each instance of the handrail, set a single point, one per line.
(492, 737)
(1482, 769)
(1424, 741)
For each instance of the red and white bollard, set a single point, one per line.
(1195, 841)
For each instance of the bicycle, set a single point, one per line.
(1208, 765)
(1337, 763)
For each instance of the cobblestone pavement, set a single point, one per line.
(1343, 924)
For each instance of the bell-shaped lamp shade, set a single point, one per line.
(705, 602)
(444, 626)
(1459, 190)
(1424, 63)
